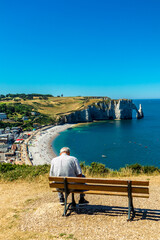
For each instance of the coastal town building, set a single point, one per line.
(3, 116)
(7, 130)
(2, 157)
(25, 118)
(14, 147)
(19, 140)
(1, 131)
(4, 148)
(34, 113)
(9, 152)
(4, 138)
(10, 155)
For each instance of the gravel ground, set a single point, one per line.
(40, 215)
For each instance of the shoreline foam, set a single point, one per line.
(40, 146)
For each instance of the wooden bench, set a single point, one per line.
(100, 186)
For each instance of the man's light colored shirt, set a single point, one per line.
(65, 165)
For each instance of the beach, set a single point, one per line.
(40, 146)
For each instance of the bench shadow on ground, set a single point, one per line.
(141, 214)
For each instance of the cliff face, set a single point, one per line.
(140, 112)
(121, 109)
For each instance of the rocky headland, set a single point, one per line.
(104, 110)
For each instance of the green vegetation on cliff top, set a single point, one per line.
(49, 109)
(11, 172)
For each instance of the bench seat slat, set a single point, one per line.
(99, 180)
(109, 188)
(107, 193)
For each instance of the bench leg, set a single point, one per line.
(65, 204)
(73, 200)
(130, 203)
(66, 196)
(130, 209)
(72, 204)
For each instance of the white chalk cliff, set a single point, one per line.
(104, 110)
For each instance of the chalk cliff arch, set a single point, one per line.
(139, 114)
(103, 110)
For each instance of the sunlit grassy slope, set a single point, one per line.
(55, 106)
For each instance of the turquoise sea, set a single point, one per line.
(117, 143)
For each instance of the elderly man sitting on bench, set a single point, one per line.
(66, 166)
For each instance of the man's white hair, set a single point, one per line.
(65, 149)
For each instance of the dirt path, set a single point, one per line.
(29, 210)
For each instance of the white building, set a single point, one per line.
(34, 113)
(3, 116)
(1, 131)
(25, 118)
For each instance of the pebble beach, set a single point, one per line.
(40, 146)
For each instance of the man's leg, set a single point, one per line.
(60, 195)
(82, 195)
(61, 198)
(82, 200)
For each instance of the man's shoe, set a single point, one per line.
(83, 202)
(61, 200)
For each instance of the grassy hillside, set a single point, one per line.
(55, 106)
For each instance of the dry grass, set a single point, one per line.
(29, 210)
(58, 105)
(125, 172)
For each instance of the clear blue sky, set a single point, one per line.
(80, 47)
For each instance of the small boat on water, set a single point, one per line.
(104, 156)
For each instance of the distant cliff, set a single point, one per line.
(104, 110)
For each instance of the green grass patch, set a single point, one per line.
(62, 234)
(11, 172)
(99, 169)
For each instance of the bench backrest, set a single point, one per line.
(101, 186)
